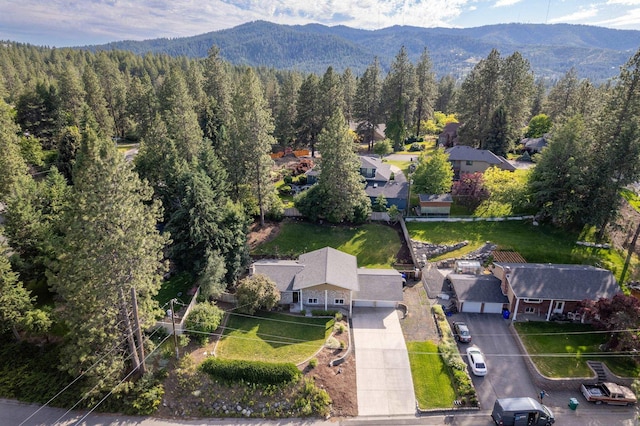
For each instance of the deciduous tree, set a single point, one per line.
(257, 292)
(434, 174)
(469, 191)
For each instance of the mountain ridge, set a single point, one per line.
(552, 49)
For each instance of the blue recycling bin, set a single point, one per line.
(505, 313)
(573, 403)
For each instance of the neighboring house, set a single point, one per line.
(381, 180)
(478, 293)
(466, 159)
(533, 145)
(328, 279)
(378, 129)
(548, 289)
(449, 135)
(438, 205)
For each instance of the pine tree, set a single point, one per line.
(498, 134)
(349, 86)
(398, 98)
(367, 109)
(425, 90)
(285, 126)
(252, 139)
(309, 113)
(94, 97)
(561, 101)
(12, 165)
(340, 180)
(111, 246)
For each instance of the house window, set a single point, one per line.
(469, 163)
(312, 301)
(338, 301)
(529, 310)
(532, 300)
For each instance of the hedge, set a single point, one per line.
(269, 373)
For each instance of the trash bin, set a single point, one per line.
(573, 403)
(505, 313)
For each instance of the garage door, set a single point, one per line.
(385, 304)
(492, 308)
(473, 307)
(363, 304)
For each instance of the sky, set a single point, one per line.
(82, 22)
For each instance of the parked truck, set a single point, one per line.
(609, 393)
(523, 411)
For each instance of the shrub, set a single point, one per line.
(338, 316)
(416, 147)
(340, 327)
(323, 313)
(285, 189)
(288, 179)
(313, 362)
(313, 401)
(332, 343)
(203, 320)
(269, 373)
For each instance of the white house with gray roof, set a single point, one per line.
(328, 279)
(548, 289)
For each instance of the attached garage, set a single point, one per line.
(471, 307)
(379, 288)
(492, 308)
(478, 293)
(364, 304)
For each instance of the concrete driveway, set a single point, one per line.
(383, 375)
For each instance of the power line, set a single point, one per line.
(119, 383)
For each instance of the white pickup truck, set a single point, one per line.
(609, 393)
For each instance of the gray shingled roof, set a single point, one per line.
(281, 272)
(379, 284)
(477, 288)
(559, 282)
(467, 153)
(383, 170)
(327, 266)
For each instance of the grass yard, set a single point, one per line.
(537, 244)
(431, 380)
(176, 287)
(269, 336)
(632, 198)
(546, 341)
(375, 245)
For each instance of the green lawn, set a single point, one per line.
(375, 245)
(431, 380)
(546, 342)
(537, 244)
(176, 287)
(269, 336)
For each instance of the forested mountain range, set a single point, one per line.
(595, 52)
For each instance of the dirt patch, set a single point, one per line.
(418, 325)
(262, 234)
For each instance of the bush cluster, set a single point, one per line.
(322, 313)
(251, 371)
(449, 352)
(313, 401)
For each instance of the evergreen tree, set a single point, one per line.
(426, 90)
(142, 106)
(557, 183)
(285, 124)
(115, 91)
(37, 113)
(398, 98)
(252, 139)
(518, 88)
(111, 246)
(94, 98)
(561, 102)
(71, 95)
(367, 109)
(12, 165)
(68, 144)
(497, 139)
(349, 86)
(434, 174)
(539, 97)
(340, 180)
(309, 113)
(480, 95)
(446, 94)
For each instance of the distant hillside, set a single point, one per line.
(596, 53)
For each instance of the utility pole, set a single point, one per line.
(129, 330)
(173, 322)
(134, 298)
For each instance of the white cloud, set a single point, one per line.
(625, 2)
(630, 20)
(503, 3)
(580, 16)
